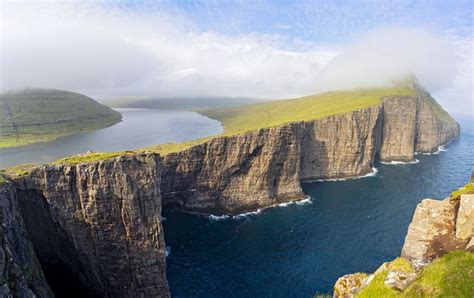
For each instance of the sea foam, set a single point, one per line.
(396, 162)
(213, 217)
(304, 201)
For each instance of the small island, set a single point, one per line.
(42, 115)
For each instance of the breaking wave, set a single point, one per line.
(304, 201)
(395, 162)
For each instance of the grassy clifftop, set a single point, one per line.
(238, 120)
(40, 115)
(449, 276)
(251, 117)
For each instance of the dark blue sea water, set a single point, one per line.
(300, 250)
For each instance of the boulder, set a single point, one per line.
(348, 285)
(465, 218)
(432, 230)
(399, 280)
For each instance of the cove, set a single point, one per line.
(139, 128)
(300, 250)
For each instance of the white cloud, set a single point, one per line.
(390, 55)
(105, 52)
(111, 53)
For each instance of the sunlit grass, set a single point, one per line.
(251, 117)
(466, 189)
(449, 276)
(377, 287)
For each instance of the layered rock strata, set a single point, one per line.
(437, 228)
(102, 220)
(20, 271)
(265, 167)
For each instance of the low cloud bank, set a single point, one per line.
(387, 56)
(106, 52)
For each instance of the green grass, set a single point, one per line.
(41, 115)
(377, 287)
(238, 120)
(467, 189)
(2, 180)
(252, 117)
(90, 157)
(449, 276)
(168, 148)
(18, 170)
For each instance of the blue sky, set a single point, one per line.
(316, 21)
(265, 49)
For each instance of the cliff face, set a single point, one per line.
(264, 167)
(20, 271)
(102, 220)
(438, 228)
(234, 174)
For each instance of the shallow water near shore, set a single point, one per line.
(298, 250)
(139, 128)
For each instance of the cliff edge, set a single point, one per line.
(98, 215)
(437, 258)
(264, 167)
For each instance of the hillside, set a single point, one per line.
(176, 103)
(251, 117)
(40, 115)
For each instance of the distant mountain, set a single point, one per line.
(169, 103)
(39, 115)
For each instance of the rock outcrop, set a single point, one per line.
(20, 271)
(437, 228)
(233, 174)
(465, 217)
(102, 220)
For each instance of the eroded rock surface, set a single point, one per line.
(20, 271)
(262, 168)
(432, 230)
(465, 218)
(102, 220)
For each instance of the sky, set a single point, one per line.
(260, 49)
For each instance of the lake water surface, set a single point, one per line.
(291, 251)
(139, 128)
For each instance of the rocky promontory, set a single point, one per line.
(99, 215)
(437, 258)
(264, 167)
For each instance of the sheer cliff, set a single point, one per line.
(437, 258)
(102, 220)
(20, 271)
(100, 215)
(264, 167)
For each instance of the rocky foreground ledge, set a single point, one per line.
(437, 259)
(100, 215)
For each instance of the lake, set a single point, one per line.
(139, 128)
(291, 251)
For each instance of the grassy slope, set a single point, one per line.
(251, 117)
(246, 118)
(449, 276)
(238, 120)
(40, 115)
